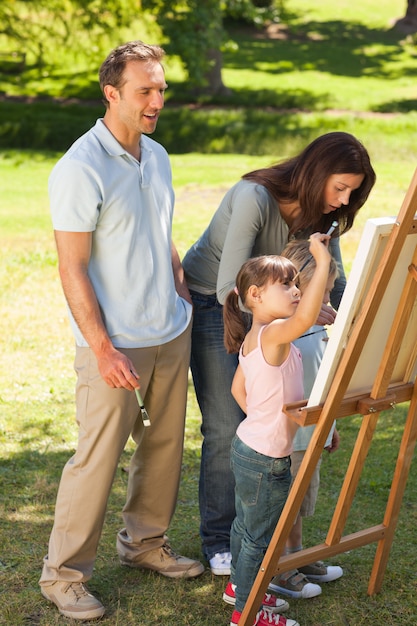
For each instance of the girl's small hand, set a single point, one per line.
(319, 246)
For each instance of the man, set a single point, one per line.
(112, 204)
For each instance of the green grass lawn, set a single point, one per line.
(334, 57)
(338, 66)
(38, 432)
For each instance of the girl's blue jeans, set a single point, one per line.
(213, 370)
(262, 486)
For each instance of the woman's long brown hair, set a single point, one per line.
(303, 179)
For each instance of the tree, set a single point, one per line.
(408, 23)
(192, 29)
(195, 32)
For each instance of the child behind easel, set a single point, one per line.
(269, 375)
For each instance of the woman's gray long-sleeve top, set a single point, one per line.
(247, 223)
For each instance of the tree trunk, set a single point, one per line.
(408, 23)
(214, 78)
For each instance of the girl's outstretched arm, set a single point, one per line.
(283, 331)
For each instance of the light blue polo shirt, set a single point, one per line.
(98, 187)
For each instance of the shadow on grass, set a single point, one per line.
(29, 481)
(181, 129)
(402, 106)
(337, 47)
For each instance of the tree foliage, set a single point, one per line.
(191, 29)
(38, 27)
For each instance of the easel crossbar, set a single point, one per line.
(322, 551)
(361, 404)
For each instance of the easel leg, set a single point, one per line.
(392, 511)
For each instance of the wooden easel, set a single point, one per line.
(383, 395)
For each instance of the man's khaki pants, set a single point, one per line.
(106, 418)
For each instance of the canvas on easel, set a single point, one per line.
(368, 257)
(370, 365)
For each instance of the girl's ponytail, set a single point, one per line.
(234, 322)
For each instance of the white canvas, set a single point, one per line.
(368, 256)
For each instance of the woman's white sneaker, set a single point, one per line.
(220, 564)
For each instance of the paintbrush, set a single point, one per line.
(329, 232)
(145, 417)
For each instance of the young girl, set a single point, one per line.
(269, 375)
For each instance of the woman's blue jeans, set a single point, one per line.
(213, 370)
(262, 487)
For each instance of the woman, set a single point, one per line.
(330, 179)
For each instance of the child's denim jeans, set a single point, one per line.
(262, 486)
